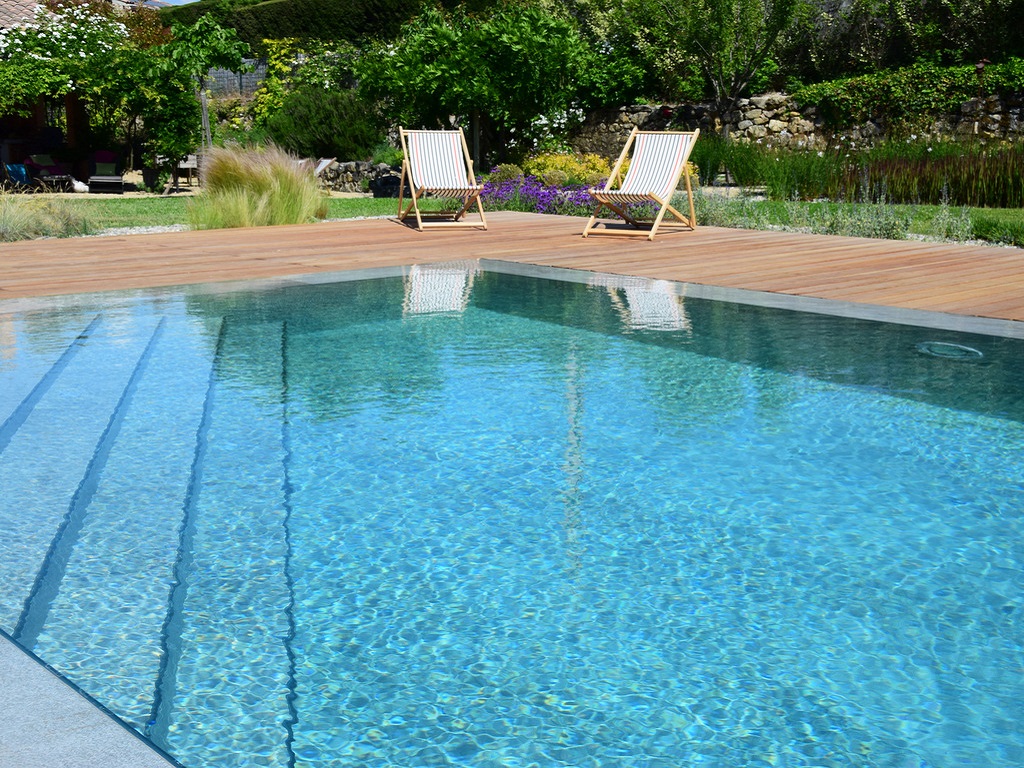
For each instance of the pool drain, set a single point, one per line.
(948, 350)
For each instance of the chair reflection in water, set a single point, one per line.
(436, 288)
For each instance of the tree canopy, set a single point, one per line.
(134, 76)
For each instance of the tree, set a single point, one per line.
(194, 50)
(516, 75)
(727, 41)
(136, 83)
(71, 49)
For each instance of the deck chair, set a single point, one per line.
(48, 173)
(105, 174)
(16, 178)
(659, 159)
(438, 163)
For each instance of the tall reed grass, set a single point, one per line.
(25, 217)
(248, 187)
(905, 172)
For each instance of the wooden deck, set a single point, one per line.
(959, 279)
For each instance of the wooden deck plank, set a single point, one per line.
(953, 278)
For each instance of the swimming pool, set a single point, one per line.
(455, 516)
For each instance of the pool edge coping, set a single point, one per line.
(41, 704)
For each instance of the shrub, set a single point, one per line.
(505, 172)
(713, 155)
(317, 123)
(578, 169)
(902, 97)
(252, 188)
(555, 178)
(387, 154)
(351, 20)
(25, 218)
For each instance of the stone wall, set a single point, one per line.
(380, 179)
(775, 120)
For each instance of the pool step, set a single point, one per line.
(232, 603)
(154, 535)
(52, 435)
(51, 574)
(20, 391)
(130, 531)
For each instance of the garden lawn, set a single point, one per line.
(1002, 226)
(117, 212)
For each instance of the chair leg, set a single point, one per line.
(689, 195)
(593, 219)
(657, 220)
(468, 204)
(401, 196)
(480, 207)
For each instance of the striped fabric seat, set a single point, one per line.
(438, 163)
(658, 160)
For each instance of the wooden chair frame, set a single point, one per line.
(606, 197)
(468, 191)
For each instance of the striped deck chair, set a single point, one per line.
(438, 162)
(659, 159)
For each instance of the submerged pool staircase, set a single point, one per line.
(104, 456)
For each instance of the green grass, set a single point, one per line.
(115, 212)
(118, 212)
(1003, 226)
(897, 222)
(357, 207)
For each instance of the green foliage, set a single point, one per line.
(883, 221)
(327, 65)
(137, 84)
(387, 154)
(247, 188)
(834, 40)
(522, 70)
(194, 49)
(727, 41)
(971, 175)
(335, 20)
(282, 56)
(317, 123)
(905, 98)
(26, 217)
(898, 97)
(714, 155)
(506, 172)
(1004, 227)
(905, 172)
(71, 49)
(576, 169)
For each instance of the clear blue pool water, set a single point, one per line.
(483, 519)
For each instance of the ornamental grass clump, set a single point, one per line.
(26, 218)
(255, 188)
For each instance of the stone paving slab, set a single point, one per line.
(45, 723)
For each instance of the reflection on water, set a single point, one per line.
(457, 517)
